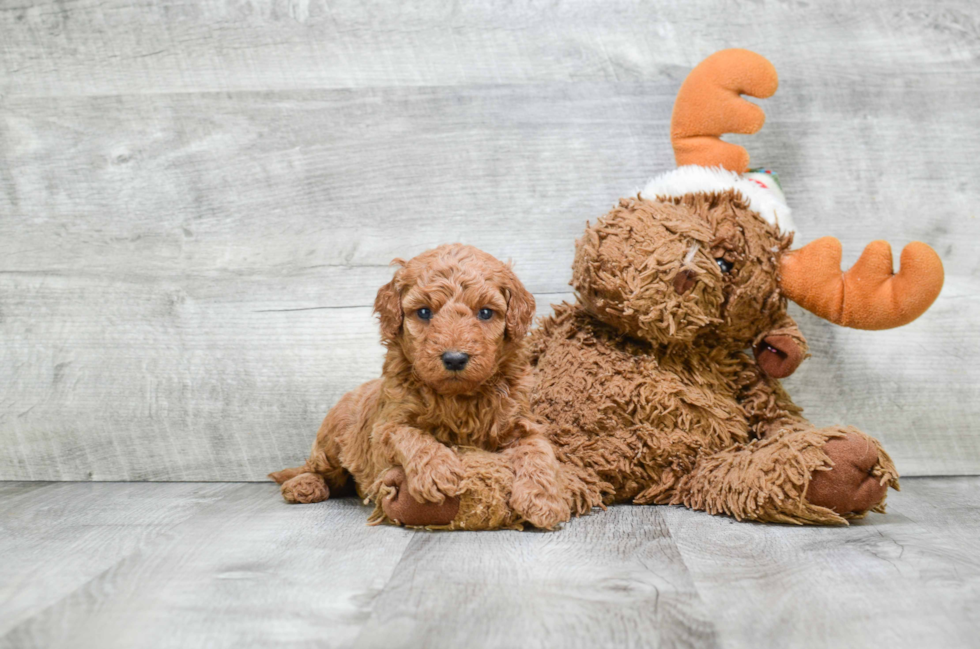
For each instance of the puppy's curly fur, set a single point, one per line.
(404, 431)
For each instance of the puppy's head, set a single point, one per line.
(455, 313)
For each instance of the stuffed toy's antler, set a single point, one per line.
(709, 103)
(869, 295)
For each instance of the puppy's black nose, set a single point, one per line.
(455, 361)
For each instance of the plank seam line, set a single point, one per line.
(139, 549)
(360, 306)
(384, 588)
(690, 573)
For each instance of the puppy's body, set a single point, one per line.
(444, 305)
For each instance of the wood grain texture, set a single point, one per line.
(611, 580)
(240, 568)
(231, 565)
(909, 578)
(199, 200)
(111, 47)
(56, 538)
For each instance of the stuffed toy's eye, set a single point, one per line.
(425, 313)
(484, 313)
(725, 266)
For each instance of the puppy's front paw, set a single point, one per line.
(541, 507)
(434, 476)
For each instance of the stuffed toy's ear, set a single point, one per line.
(520, 307)
(388, 306)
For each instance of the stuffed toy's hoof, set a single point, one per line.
(399, 506)
(305, 488)
(850, 487)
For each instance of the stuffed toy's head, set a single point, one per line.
(675, 269)
(703, 252)
(456, 315)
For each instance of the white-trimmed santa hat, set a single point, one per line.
(759, 186)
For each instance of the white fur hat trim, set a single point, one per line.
(764, 197)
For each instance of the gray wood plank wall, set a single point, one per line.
(199, 200)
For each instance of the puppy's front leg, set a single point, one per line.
(537, 493)
(433, 470)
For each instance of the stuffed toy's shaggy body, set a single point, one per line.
(650, 387)
(450, 415)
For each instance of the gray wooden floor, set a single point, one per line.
(229, 564)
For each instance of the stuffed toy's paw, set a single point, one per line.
(399, 505)
(779, 355)
(858, 480)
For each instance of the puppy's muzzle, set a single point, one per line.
(455, 361)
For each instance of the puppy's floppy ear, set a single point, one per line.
(388, 306)
(520, 306)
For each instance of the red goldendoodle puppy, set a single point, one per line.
(456, 374)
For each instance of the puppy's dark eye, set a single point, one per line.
(725, 266)
(485, 313)
(425, 313)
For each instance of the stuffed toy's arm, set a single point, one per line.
(522, 482)
(499, 490)
(483, 502)
(778, 353)
(780, 350)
